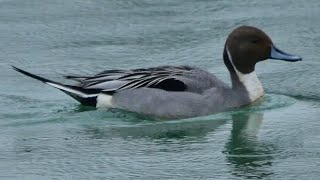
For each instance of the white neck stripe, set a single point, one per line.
(250, 81)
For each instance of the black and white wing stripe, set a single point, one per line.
(89, 88)
(111, 81)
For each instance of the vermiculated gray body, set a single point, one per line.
(205, 95)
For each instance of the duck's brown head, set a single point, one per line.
(246, 45)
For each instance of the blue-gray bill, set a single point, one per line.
(281, 55)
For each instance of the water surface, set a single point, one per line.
(44, 134)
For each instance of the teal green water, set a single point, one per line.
(45, 134)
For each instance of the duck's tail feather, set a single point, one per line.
(84, 96)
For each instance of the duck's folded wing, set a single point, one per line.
(169, 78)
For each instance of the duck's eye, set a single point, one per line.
(255, 41)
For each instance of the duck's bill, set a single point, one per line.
(281, 55)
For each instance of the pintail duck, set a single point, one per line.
(176, 92)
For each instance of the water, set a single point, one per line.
(46, 135)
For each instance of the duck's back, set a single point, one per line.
(168, 78)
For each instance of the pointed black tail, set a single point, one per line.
(84, 96)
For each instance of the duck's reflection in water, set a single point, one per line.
(246, 154)
(159, 130)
